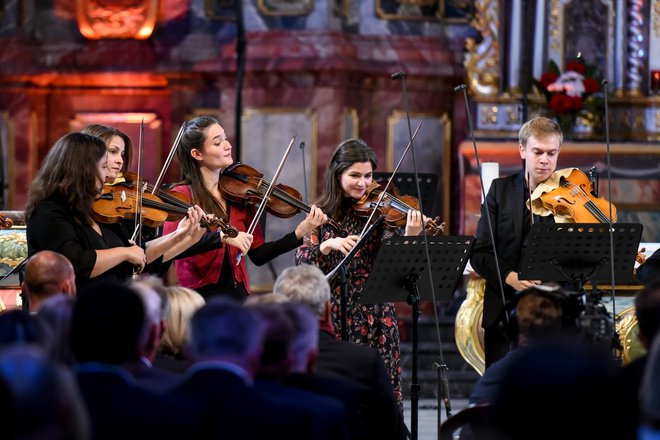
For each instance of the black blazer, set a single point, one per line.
(365, 366)
(506, 202)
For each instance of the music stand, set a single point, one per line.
(579, 252)
(400, 272)
(405, 183)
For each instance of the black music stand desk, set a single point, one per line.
(580, 252)
(400, 273)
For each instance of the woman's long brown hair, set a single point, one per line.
(69, 171)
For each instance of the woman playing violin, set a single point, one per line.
(346, 180)
(58, 216)
(205, 151)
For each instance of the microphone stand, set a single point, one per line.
(415, 388)
(615, 336)
(463, 88)
(340, 270)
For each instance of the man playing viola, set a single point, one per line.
(540, 143)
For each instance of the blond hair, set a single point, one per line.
(184, 302)
(541, 128)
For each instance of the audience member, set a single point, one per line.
(47, 273)
(55, 314)
(649, 394)
(226, 345)
(306, 284)
(538, 315)
(329, 415)
(183, 303)
(559, 390)
(146, 374)
(19, 327)
(108, 329)
(46, 402)
(647, 310)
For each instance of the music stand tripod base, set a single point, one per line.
(400, 273)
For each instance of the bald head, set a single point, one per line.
(48, 273)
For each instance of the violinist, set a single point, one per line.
(119, 152)
(210, 266)
(58, 216)
(540, 142)
(347, 178)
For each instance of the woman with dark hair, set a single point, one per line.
(58, 216)
(204, 152)
(346, 179)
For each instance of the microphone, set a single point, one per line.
(460, 87)
(397, 75)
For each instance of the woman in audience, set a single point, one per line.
(184, 302)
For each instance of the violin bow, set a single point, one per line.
(269, 191)
(166, 165)
(137, 232)
(389, 181)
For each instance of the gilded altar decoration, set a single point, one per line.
(482, 61)
(572, 95)
(99, 19)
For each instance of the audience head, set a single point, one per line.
(19, 327)
(183, 303)
(647, 310)
(153, 308)
(55, 313)
(108, 325)
(305, 284)
(226, 330)
(556, 390)
(47, 273)
(275, 362)
(539, 315)
(305, 343)
(264, 298)
(45, 398)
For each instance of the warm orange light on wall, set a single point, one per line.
(134, 19)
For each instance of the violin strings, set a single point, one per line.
(407, 207)
(583, 197)
(285, 196)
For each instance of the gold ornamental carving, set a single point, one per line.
(482, 61)
(99, 19)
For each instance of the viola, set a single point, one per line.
(573, 198)
(394, 207)
(117, 202)
(241, 183)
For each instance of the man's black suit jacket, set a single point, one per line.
(506, 203)
(365, 366)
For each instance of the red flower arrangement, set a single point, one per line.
(572, 94)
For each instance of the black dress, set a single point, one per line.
(52, 226)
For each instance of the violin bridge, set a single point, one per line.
(123, 197)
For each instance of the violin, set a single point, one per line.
(394, 207)
(242, 183)
(117, 202)
(573, 199)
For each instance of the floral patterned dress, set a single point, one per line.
(367, 324)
